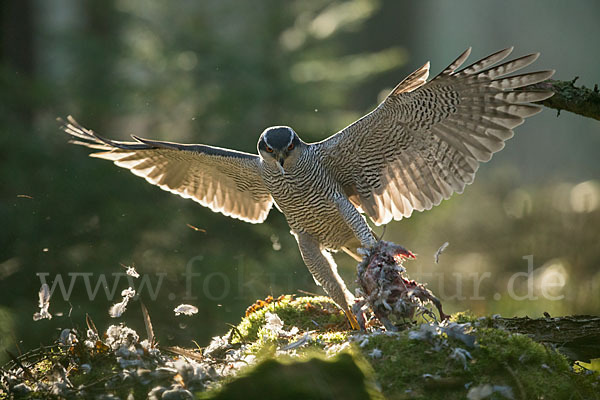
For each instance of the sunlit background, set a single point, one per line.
(523, 239)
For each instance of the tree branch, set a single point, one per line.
(578, 100)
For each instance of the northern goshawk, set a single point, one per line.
(421, 144)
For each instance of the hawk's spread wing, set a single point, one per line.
(226, 181)
(425, 140)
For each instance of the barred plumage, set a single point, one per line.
(421, 144)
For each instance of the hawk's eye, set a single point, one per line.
(269, 149)
(291, 146)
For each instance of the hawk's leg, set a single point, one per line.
(356, 222)
(324, 270)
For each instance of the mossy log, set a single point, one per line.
(577, 336)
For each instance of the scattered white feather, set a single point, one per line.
(131, 271)
(425, 332)
(129, 292)
(439, 251)
(273, 322)
(486, 391)
(546, 367)
(67, 337)
(298, 343)
(85, 368)
(461, 355)
(117, 309)
(118, 336)
(44, 303)
(185, 309)
(375, 353)
(336, 348)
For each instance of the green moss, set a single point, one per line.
(418, 369)
(307, 313)
(318, 315)
(101, 368)
(500, 358)
(339, 377)
(333, 337)
(330, 361)
(518, 361)
(463, 317)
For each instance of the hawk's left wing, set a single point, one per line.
(226, 181)
(425, 140)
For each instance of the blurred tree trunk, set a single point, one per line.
(17, 58)
(388, 28)
(98, 88)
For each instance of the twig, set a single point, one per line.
(309, 293)
(184, 353)
(14, 338)
(235, 330)
(90, 324)
(148, 324)
(25, 370)
(100, 380)
(517, 380)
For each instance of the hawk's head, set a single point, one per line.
(278, 144)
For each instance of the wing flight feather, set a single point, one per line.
(226, 181)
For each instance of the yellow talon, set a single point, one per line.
(352, 319)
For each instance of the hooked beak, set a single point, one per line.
(280, 165)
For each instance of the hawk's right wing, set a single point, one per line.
(226, 181)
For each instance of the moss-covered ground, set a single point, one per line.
(405, 368)
(308, 352)
(318, 314)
